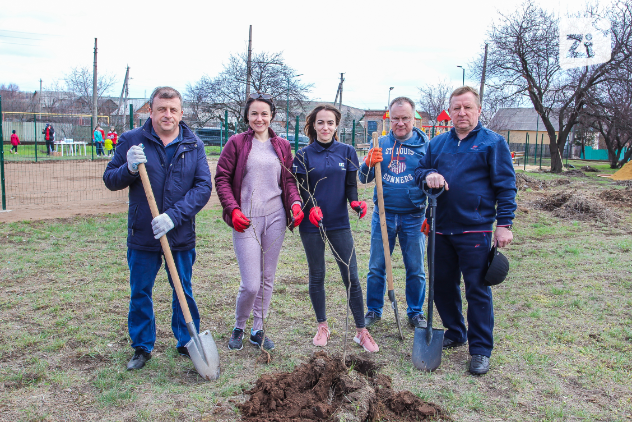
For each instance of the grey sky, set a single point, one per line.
(377, 44)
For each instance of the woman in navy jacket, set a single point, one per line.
(326, 171)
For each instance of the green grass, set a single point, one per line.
(563, 342)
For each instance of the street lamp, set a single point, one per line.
(287, 106)
(389, 95)
(463, 74)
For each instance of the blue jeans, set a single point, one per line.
(141, 322)
(407, 227)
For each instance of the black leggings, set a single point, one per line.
(14, 147)
(342, 248)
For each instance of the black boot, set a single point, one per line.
(139, 359)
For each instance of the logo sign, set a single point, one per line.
(584, 42)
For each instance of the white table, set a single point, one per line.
(71, 146)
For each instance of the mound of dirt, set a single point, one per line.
(574, 173)
(524, 182)
(589, 169)
(326, 389)
(619, 196)
(569, 205)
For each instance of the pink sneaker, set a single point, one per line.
(322, 335)
(364, 339)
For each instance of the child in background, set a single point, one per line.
(108, 146)
(114, 137)
(15, 141)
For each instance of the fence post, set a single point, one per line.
(4, 196)
(221, 146)
(131, 117)
(508, 133)
(35, 131)
(296, 136)
(90, 137)
(526, 151)
(535, 155)
(541, 149)
(353, 135)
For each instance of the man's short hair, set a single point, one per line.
(165, 92)
(402, 100)
(464, 90)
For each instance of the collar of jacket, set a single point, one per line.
(473, 132)
(413, 141)
(188, 137)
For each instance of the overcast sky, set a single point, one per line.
(378, 44)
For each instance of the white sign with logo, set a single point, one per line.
(584, 42)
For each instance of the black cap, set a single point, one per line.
(498, 268)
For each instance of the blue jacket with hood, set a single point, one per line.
(181, 190)
(480, 176)
(401, 193)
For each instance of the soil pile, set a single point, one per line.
(326, 389)
(574, 173)
(625, 173)
(619, 196)
(524, 182)
(575, 206)
(589, 169)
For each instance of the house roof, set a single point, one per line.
(443, 117)
(520, 119)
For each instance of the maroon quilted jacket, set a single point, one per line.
(232, 165)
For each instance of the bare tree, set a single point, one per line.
(209, 97)
(79, 82)
(524, 61)
(434, 98)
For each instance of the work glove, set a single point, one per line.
(240, 221)
(297, 214)
(425, 227)
(315, 216)
(359, 207)
(161, 225)
(373, 157)
(136, 156)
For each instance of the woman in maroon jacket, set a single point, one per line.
(258, 193)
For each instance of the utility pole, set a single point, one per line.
(482, 89)
(124, 92)
(94, 88)
(40, 101)
(339, 92)
(249, 65)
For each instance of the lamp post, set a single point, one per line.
(463, 74)
(389, 95)
(287, 106)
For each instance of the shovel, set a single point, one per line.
(387, 249)
(201, 348)
(428, 342)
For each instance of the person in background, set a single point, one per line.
(49, 137)
(98, 140)
(474, 166)
(15, 141)
(326, 171)
(107, 145)
(398, 154)
(181, 182)
(259, 200)
(114, 137)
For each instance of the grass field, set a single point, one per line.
(563, 336)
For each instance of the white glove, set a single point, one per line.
(161, 225)
(135, 156)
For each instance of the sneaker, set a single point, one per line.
(183, 351)
(364, 339)
(236, 339)
(322, 335)
(371, 318)
(479, 365)
(256, 337)
(418, 321)
(139, 359)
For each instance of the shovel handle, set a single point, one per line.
(380, 204)
(165, 245)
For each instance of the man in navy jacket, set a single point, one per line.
(181, 182)
(474, 164)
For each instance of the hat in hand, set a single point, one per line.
(498, 268)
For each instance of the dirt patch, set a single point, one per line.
(570, 205)
(326, 389)
(524, 182)
(619, 196)
(574, 173)
(589, 169)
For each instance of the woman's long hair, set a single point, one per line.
(309, 129)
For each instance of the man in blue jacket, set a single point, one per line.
(181, 182)
(398, 154)
(474, 164)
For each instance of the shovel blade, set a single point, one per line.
(206, 361)
(427, 356)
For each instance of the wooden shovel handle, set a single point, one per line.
(165, 246)
(380, 204)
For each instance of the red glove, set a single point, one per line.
(297, 213)
(240, 221)
(425, 227)
(373, 157)
(315, 215)
(359, 207)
